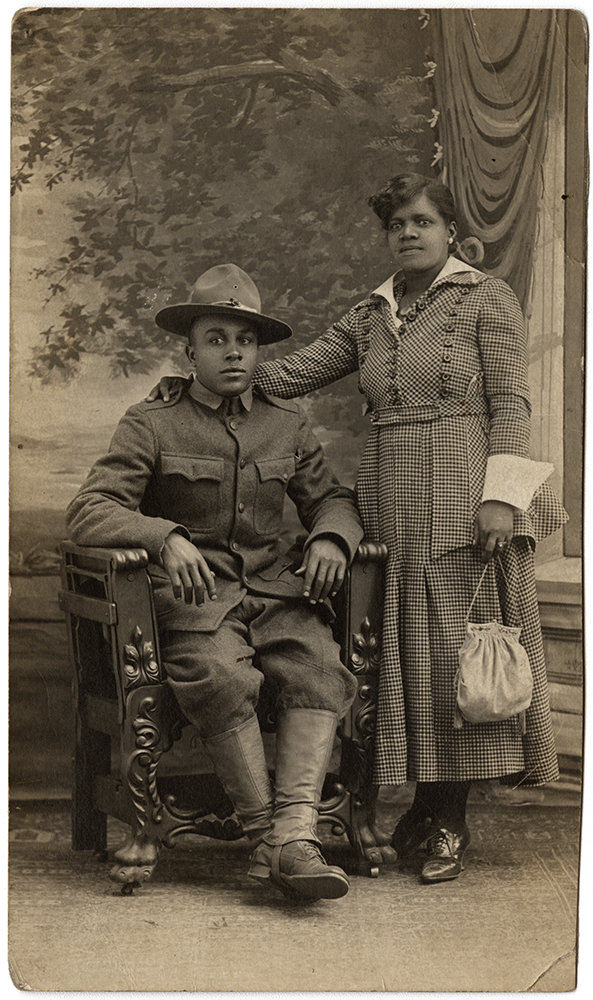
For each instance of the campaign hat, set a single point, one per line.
(224, 290)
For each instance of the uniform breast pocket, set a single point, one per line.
(193, 489)
(273, 476)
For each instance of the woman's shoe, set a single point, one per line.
(446, 850)
(410, 833)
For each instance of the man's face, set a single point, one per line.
(224, 352)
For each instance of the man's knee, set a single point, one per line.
(311, 686)
(215, 692)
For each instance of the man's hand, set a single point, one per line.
(188, 570)
(169, 387)
(493, 528)
(324, 568)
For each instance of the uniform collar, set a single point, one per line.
(213, 400)
(452, 266)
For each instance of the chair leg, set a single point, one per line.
(364, 835)
(146, 736)
(92, 756)
(135, 860)
(370, 844)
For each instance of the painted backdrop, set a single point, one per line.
(150, 144)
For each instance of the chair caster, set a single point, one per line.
(127, 888)
(131, 877)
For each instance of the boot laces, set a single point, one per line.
(312, 850)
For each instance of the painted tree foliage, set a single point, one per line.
(188, 137)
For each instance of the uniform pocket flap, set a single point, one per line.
(276, 468)
(193, 468)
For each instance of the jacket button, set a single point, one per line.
(285, 475)
(241, 508)
(233, 425)
(242, 463)
(235, 546)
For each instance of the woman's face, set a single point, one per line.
(419, 238)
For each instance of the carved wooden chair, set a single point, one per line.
(129, 730)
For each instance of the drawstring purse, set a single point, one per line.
(493, 680)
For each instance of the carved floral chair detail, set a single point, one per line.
(128, 723)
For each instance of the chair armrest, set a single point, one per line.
(118, 559)
(371, 552)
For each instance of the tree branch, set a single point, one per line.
(291, 66)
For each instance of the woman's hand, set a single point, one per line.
(324, 568)
(493, 528)
(188, 570)
(169, 387)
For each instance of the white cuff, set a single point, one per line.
(513, 480)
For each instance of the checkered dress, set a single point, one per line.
(446, 389)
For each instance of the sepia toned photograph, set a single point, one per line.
(297, 337)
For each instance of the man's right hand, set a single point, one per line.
(169, 387)
(188, 570)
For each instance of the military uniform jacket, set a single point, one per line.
(221, 481)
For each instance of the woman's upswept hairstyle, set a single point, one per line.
(403, 188)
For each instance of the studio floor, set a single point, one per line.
(508, 924)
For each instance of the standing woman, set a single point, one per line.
(447, 484)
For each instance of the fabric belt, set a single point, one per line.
(430, 412)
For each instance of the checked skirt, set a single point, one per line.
(427, 600)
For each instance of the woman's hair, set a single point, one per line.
(403, 188)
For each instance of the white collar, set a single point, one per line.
(452, 266)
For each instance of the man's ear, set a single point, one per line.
(190, 354)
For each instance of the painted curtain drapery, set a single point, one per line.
(493, 91)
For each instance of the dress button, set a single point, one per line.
(445, 376)
(241, 508)
(450, 326)
(448, 342)
(446, 357)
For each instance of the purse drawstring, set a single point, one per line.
(469, 610)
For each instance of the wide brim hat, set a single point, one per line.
(228, 291)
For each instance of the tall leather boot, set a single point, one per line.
(289, 855)
(239, 761)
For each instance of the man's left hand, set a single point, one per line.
(324, 568)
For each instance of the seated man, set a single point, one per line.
(199, 483)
